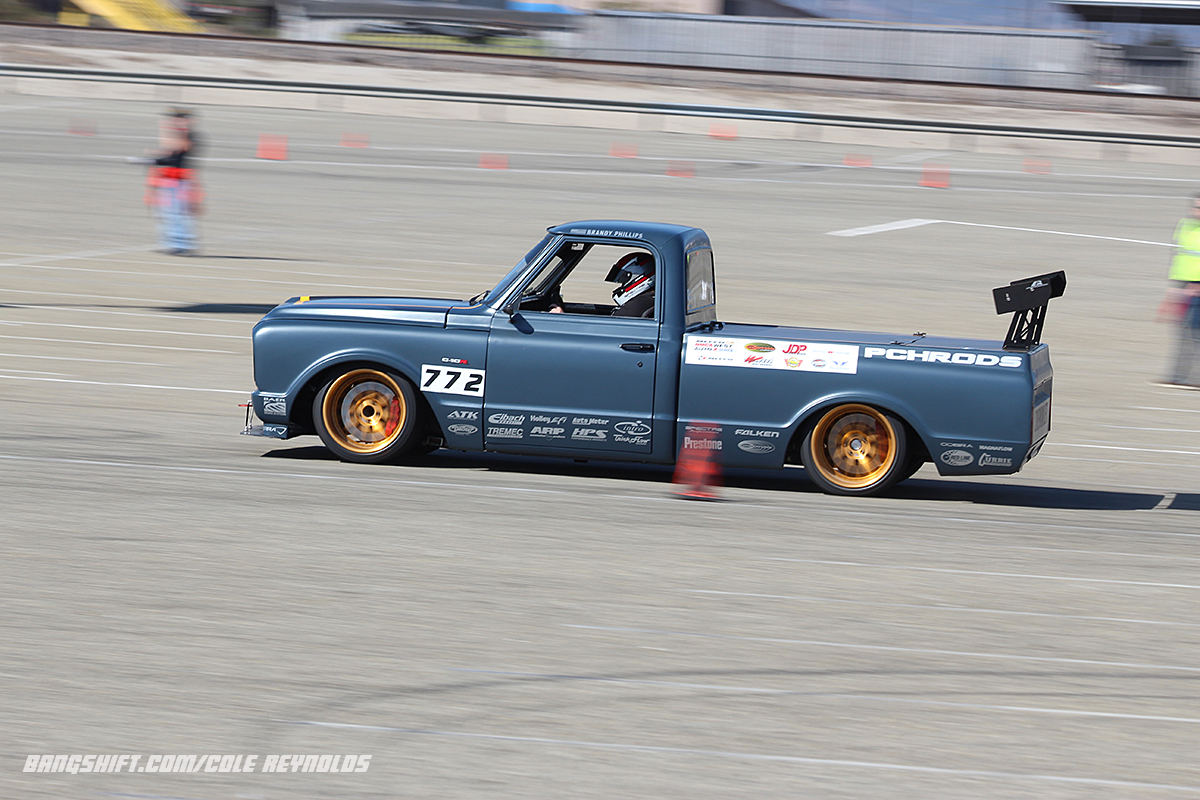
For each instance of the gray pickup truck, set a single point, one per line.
(548, 363)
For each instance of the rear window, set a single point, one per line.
(701, 288)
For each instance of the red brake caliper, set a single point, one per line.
(393, 417)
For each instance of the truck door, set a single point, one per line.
(579, 378)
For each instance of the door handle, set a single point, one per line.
(638, 347)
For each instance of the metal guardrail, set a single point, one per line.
(666, 109)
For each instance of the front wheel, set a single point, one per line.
(855, 449)
(367, 416)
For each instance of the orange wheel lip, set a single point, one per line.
(872, 447)
(346, 413)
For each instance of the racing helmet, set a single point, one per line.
(635, 274)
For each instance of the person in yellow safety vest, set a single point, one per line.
(1183, 299)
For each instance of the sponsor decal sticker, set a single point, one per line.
(505, 433)
(451, 380)
(471, 415)
(274, 404)
(460, 361)
(758, 434)
(546, 419)
(506, 419)
(1001, 448)
(772, 354)
(462, 430)
(692, 443)
(941, 357)
(277, 431)
(638, 428)
(546, 432)
(989, 460)
(590, 421)
(957, 458)
(756, 446)
(589, 435)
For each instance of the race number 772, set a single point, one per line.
(452, 380)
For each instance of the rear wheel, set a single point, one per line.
(367, 415)
(855, 449)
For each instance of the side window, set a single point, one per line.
(584, 278)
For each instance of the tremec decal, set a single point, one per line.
(942, 357)
(451, 380)
(772, 354)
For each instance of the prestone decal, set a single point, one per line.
(772, 354)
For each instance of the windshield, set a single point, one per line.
(530, 257)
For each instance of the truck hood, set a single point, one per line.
(423, 311)
(867, 339)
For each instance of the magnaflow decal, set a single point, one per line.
(772, 354)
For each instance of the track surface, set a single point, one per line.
(500, 627)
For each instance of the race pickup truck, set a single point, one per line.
(551, 363)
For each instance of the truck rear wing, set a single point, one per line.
(1026, 300)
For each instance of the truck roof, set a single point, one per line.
(655, 233)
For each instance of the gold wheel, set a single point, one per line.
(854, 449)
(365, 412)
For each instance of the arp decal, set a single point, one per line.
(451, 380)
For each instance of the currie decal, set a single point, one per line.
(957, 458)
(942, 357)
(989, 460)
(771, 354)
(451, 380)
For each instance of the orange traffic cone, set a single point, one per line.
(271, 147)
(698, 469)
(935, 176)
(681, 169)
(720, 131)
(493, 161)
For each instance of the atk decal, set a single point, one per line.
(772, 354)
(451, 380)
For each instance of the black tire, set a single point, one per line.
(368, 416)
(915, 462)
(855, 449)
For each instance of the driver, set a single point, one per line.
(635, 294)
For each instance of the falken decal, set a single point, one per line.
(771, 354)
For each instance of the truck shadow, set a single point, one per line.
(792, 480)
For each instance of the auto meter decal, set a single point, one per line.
(771, 354)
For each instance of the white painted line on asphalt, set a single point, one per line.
(4, 290)
(88, 360)
(188, 316)
(1166, 502)
(27, 372)
(957, 609)
(912, 223)
(1115, 447)
(1158, 464)
(887, 226)
(1135, 428)
(273, 474)
(243, 392)
(988, 574)
(891, 648)
(120, 344)
(689, 751)
(551, 676)
(1158, 408)
(1172, 557)
(127, 330)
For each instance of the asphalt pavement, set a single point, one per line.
(488, 626)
